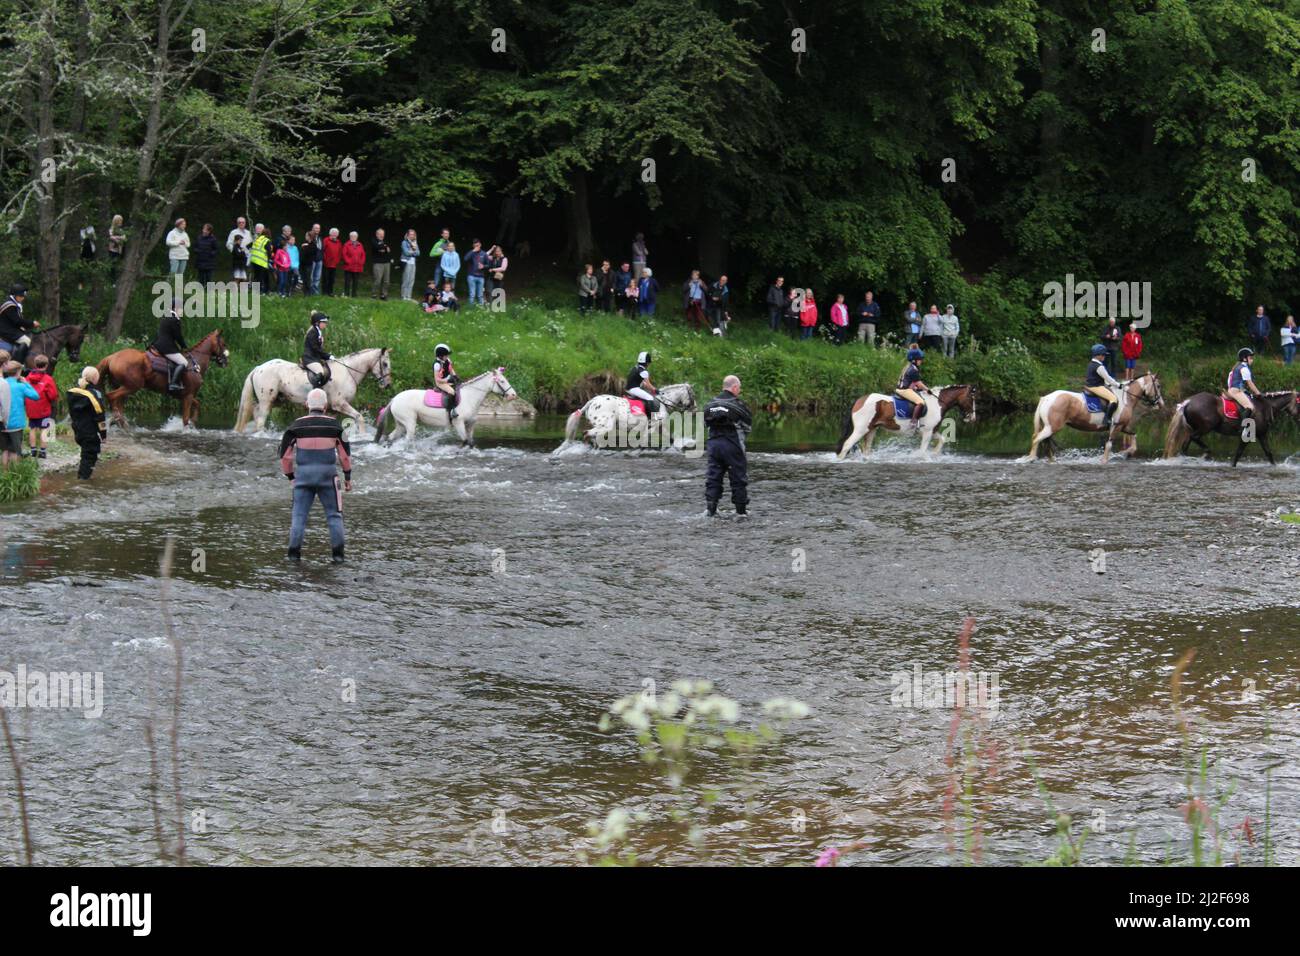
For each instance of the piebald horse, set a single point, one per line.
(278, 379)
(408, 408)
(606, 413)
(870, 413)
(1062, 407)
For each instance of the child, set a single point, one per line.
(238, 260)
(40, 411)
(839, 318)
(11, 439)
(430, 297)
(447, 297)
(281, 262)
(1132, 348)
(86, 409)
(293, 263)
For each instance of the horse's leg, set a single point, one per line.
(854, 437)
(353, 414)
(1263, 443)
(869, 440)
(1236, 455)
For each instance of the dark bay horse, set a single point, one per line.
(131, 370)
(50, 342)
(1203, 413)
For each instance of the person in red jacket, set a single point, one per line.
(40, 411)
(1132, 349)
(808, 314)
(354, 262)
(331, 254)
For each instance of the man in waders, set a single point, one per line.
(310, 451)
(729, 420)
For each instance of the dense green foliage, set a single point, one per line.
(20, 480)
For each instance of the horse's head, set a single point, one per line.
(220, 354)
(1147, 388)
(73, 344)
(383, 369)
(680, 397)
(501, 385)
(964, 399)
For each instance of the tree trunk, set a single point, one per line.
(713, 245)
(580, 248)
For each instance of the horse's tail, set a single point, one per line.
(1178, 433)
(379, 423)
(1039, 421)
(846, 428)
(571, 426)
(245, 403)
(105, 373)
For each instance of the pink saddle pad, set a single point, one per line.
(435, 398)
(637, 406)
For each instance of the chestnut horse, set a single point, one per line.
(876, 411)
(130, 370)
(1064, 407)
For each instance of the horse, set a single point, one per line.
(409, 408)
(872, 412)
(1062, 407)
(278, 379)
(132, 370)
(1203, 413)
(606, 413)
(50, 342)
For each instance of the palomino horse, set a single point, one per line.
(1203, 413)
(278, 379)
(408, 408)
(1060, 408)
(50, 342)
(872, 412)
(606, 413)
(132, 370)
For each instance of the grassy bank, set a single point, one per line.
(557, 358)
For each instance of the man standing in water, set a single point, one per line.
(311, 449)
(729, 421)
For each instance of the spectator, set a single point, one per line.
(11, 440)
(606, 287)
(1132, 347)
(640, 255)
(450, 263)
(87, 412)
(1110, 337)
(693, 298)
(354, 263)
(647, 292)
(282, 239)
(295, 263)
(259, 258)
(318, 263)
(205, 253)
(436, 254)
(1290, 335)
(241, 231)
(496, 272)
(309, 261)
(912, 324)
(949, 328)
(625, 289)
(476, 262)
(1259, 328)
(331, 255)
(116, 247)
(808, 314)
(381, 265)
(932, 329)
(719, 301)
(775, 303)
(868, 314)
(178, 248)
(792, 304)
(239, 260)
(839, 318)
(40, 411)
(447, 297)
(410, 256)
(588, 288)
(430, 297)
(283, 265)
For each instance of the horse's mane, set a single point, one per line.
(1278, 392)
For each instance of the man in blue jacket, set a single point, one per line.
(1259, 327)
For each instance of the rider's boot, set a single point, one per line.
(1110, 414)
(918, 412)
(174, 374)
(19, 353)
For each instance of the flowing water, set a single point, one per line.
(496, 601)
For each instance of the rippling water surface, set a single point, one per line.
(478, 692)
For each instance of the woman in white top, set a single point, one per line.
(178, 247)
(1290, 339)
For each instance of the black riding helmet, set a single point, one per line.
(17, 289)
(317, 317)
(1245, 354)
(441, 350)
(643, 358)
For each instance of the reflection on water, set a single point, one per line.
(498, 600)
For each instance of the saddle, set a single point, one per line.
(1092, 402)
(1231, 410)
(902, 408)
(636, 406)
(435, 398)
(160, 364)
(8, 346)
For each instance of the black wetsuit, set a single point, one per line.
(729, 420)
(88, 424)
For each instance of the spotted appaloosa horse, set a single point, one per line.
(875, 411)
(607, 412)
(1061, 408)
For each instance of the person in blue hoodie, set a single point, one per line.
(11, 442)
(450, 264)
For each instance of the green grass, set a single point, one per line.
(21, 480)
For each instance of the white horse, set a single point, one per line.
(280, 379)
(606, 413)
(407, 408)
(876, 411)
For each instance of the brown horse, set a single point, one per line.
(876, 411)
(130, 370)
(50, 342)
(1203, 413)
(1060, 408)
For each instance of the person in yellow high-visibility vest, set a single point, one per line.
(259, 258)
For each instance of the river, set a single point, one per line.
(496, 601)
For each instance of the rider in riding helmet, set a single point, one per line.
(445, 378)
(1096, 380)
(14, 326)
(910, 385)
(1240, 380)
(170, 344)
(640, 386)
(315, 359)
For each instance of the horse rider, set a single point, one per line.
(640, 386)
(1098, 381)
(310, 451)
(445, 378)
(170, 344)
(1240, 381)
(15, 327)
(910, 385)
(315, 359)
